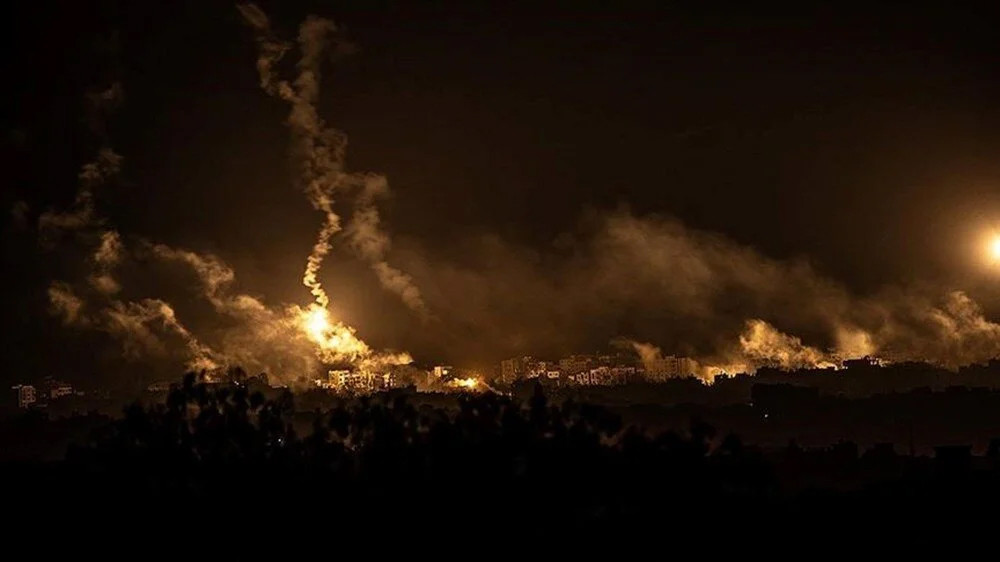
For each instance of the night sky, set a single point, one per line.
(561, 173)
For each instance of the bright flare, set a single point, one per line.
(334, 341)
(467, 384)
(994, 249)
(317, 323)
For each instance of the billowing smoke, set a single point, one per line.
(762, 343)
(288, 342)
(318, 153)
(692, 293)
(649, 354)
(689, 293)
(949, 329)
(146, 327)
(279, 341)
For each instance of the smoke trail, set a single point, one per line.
(288, 342)
(318, 151)
(314, 262)
(372, 244)
(270, 48)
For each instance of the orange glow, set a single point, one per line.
(466, 384)
(335, 341)
(317, 323)
(994, 249)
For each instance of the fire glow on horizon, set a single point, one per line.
(994, 249)
(671, 269)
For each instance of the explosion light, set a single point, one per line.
(466, 384)
(317, 323)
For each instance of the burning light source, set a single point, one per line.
(994, 248)
(335, 341)
(317, 323)
(466, 384)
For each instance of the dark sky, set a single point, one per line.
(860, 137)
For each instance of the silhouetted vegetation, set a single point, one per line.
(491, 467)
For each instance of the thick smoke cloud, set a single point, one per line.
(288, 342)
(255, 336)
(667, 288)
(691, 293)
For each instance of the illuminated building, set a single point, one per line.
(669, 367)
(509, 370)
(356, 382)
(866, 362)
(575, 364)
(26, 395)
(518, 368)
(58, 389)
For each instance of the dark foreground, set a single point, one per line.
(211, 461)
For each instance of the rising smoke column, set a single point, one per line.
(318, 152)
(287, 341)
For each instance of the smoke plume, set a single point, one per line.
(318, 152)
(288, 341)
(669, 289)
(145, 327)
(372, 244)
(692, 293)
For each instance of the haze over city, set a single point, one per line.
(282, 213)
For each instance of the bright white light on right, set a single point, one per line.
(995, 249)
